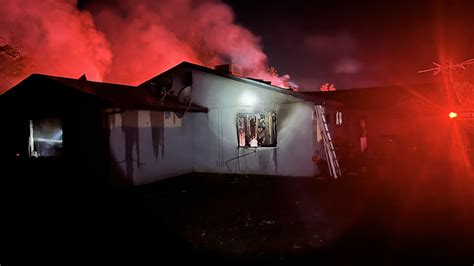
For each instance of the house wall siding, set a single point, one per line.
(207, 142)
(145, 148)
(215, 142)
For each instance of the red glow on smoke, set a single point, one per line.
(58, 38)
(131, 41)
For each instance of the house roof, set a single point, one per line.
(143, 96)
(118, 95)
(381, 97)
(255, 82)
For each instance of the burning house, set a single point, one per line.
(187, 119)
(192, 118)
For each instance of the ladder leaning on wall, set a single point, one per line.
(334, 169)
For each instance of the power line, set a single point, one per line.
(448, 66)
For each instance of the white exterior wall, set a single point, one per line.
(215, 141)
(144, 150)
(216, 146)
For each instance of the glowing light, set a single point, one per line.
(453, 115)
(248, 98)
(48, 140)
(58, 135)
(327, 87)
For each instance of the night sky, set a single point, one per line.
(359, 43)
(354, 43)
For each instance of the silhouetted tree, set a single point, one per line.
(13, 64)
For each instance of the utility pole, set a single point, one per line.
(461, 92)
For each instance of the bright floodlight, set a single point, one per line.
(248, 98)
(453, 115)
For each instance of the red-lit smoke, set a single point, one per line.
(131, 41)
(58, 38)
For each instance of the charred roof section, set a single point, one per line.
(113, 95)
(228, 74)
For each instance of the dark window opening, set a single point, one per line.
(45, 138)
(257, 130)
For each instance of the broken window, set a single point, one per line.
(339, 118)
(257, 129)
(45, 138)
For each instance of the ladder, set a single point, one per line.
(334, 169)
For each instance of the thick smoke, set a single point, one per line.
(131, 41)
(59, 39)
(149, 37)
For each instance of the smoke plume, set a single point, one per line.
(131, 41)
(59, 39)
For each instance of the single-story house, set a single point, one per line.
(192, 118)
(188, 119)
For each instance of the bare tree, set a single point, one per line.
(461, 81)
(13, 64)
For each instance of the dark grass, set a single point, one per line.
(245, 219)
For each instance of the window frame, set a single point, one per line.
(32, 139)
(243, 129)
